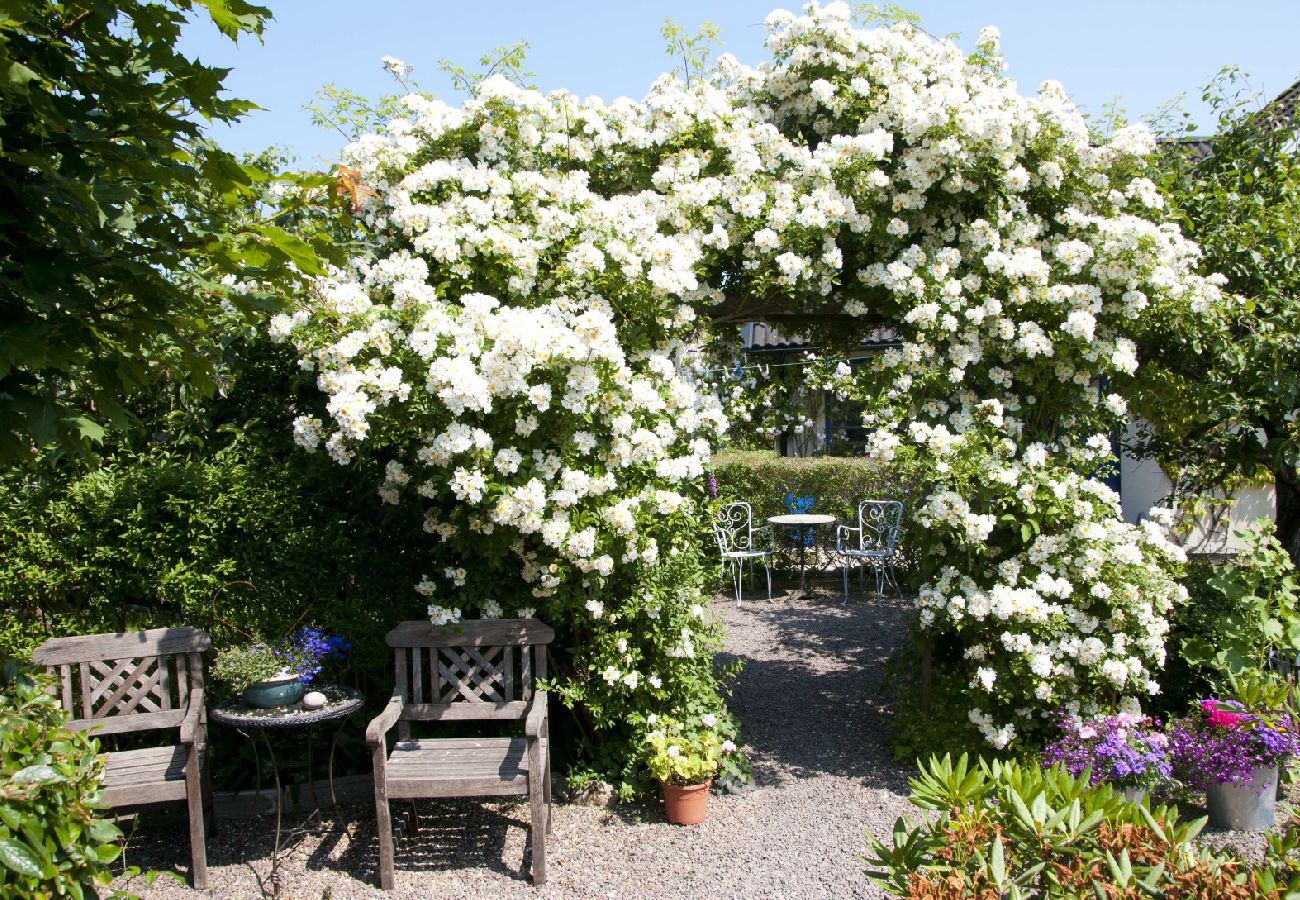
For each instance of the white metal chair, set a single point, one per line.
(740, 542)
(879, 524)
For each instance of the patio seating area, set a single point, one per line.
(805, 545)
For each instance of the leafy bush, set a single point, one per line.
(1002, 829)
(1184, 679)
(1259, 612)
(51, 843)
(683, 753)
(921, 727)
(247, 541)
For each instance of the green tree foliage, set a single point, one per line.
(208, 517)
(1222, 386)
(122, 222)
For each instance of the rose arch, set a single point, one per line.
(519, 348)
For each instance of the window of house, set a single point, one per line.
(845, 433)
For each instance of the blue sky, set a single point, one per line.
(1144, 52)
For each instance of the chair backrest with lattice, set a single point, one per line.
(734, 528)
(125, 682)
(880, 522)
(478, 669)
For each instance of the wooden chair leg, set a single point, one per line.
(384, 824)
(194, 800)
(546, 789)
(205, 772)
(538, 829)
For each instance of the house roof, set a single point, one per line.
(1278, 112)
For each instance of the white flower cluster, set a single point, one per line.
(1075, 616)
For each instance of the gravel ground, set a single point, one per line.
(808, 704)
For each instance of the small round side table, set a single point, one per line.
(810, 521)
(254, 723)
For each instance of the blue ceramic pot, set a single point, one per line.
(282, 690)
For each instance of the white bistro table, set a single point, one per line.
(802, 520)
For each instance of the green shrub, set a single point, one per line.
(51, 843)
(246, 543)
(1185, 680)
(1003, 829)
(1235, 613)
(924, 726)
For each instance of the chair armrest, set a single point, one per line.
(380, 724)
(192, 724)
(535, 718)
(843, 531)
(766, 532)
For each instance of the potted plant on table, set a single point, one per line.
(1130, 753)
(685, 757)
(1232, 752)
(276, 674)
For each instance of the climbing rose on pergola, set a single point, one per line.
(518, 347)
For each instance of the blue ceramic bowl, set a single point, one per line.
(274, 692)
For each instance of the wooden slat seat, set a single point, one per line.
(469, 767)
(134, 682)
(484, 670)
(151, 775)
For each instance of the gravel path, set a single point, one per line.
(808, 704)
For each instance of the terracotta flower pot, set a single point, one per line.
(686, 804)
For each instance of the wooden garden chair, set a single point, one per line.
(136, 682)
(481, 669)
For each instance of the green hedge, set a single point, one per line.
(763, 478)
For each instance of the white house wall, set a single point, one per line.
(1143, 485)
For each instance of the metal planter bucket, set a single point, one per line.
(1134, 794)
(1244, 805)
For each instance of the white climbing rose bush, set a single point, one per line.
(519, 345)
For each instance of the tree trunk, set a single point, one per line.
(1288, 512)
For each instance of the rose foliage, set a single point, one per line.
(519, 346)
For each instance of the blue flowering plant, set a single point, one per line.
(799, 504)
(1123, 750)
(307, 651)
(302, 654)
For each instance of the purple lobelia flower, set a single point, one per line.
(1226, 742)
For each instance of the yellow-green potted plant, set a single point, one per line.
(685, 757)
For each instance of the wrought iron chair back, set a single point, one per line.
(734, 528)
(879, 524)
(740, 542)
